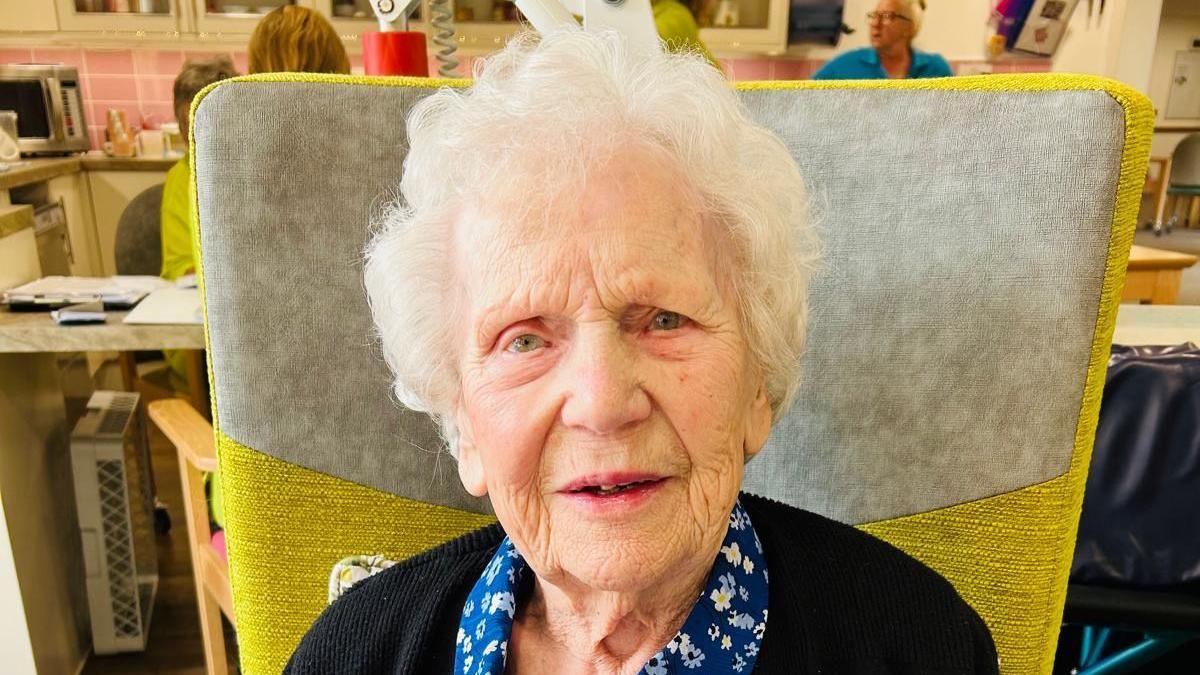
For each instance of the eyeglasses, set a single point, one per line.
(886, 17)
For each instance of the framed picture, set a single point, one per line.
(1045, 25)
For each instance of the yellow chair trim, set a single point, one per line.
(1003, 554)
(292, 539)
(1039, 522)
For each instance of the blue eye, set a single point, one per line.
(667, 321)
(525, 343)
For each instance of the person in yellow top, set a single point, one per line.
(678, 28)
(177, 256)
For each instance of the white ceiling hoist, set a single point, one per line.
(631, 18)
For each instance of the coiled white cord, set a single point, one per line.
(441, 17)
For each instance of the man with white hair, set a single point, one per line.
(893, 24)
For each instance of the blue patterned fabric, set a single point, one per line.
(722, 634)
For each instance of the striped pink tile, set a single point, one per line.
(96, 135)
(1033, 66)
(752, 69)
(154, 114)
(204, 55)
(109, 62)
(157, 88)
(15, 55)
(162, 62)
(792, 69)
(70, 57)
(98, 112)
(113, 87)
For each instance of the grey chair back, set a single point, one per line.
(976, 236)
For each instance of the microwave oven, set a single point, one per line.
(46, 98)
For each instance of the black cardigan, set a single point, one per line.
(841, 601)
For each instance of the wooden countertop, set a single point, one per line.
(26, 171)
(1146, 258)
(37, 169)
(100, 162)
(28, 332)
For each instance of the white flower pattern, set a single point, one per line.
(736, 593)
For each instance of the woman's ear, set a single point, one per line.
(758, 424)
(470, 464)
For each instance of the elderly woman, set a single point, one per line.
(596, 284)
(894, 24)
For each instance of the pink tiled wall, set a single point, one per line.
(140, 81)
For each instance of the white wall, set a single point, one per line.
(1175, 33)
(1179, 25)
(1119, 44)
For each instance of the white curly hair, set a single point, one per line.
(553, 106)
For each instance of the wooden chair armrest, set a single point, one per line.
(188, 430)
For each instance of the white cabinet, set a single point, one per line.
(352, 18)
(761, 28)
(232, 17)
(73, 192)
(483, 26)
(158, 16)
(28, 16)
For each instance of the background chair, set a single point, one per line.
(1136, 569)
(1184, 186)
(958, 334)
(138, 247)
(138, 250)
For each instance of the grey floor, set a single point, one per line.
(1184, 241)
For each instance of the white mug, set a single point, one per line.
(9, 150)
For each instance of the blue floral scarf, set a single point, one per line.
(722, 634)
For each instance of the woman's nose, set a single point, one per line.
(604, 390)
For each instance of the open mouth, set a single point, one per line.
(618, 488)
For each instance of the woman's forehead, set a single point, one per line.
(632, 238)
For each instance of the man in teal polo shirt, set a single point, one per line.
(893, 24)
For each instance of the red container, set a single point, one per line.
(395, 53)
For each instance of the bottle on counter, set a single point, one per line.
(120, 136)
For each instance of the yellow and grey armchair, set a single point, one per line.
(976, 234)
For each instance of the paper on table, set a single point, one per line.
(84, 289)
(168, 306)
(89, 312)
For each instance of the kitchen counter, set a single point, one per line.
(26, 171)
(24, 332)
(38, 169)
(101, 162)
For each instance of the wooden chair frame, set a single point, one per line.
(192, 436)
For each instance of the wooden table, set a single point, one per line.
(1157, 325)
(36, 332)
(1154, 275)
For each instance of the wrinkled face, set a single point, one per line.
(608, 398)
(886, 35)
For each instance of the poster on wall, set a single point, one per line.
(1044, 27)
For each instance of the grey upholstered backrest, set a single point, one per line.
(138, 248)
(966, 236)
